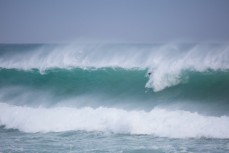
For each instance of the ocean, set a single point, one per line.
(119, 98)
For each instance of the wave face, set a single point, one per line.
(114, 87)
(134, 89)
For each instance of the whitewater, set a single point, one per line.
(154, 97)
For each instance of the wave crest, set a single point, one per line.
(165, 62)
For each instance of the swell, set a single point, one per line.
(112, 87)
(114, 80)
(78, 81)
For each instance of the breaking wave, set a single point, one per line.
(166, 63)
(157, 122)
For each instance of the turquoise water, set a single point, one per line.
(101, 98)
(115, 87)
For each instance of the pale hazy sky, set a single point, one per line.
(44, 21)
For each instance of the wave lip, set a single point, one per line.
(157, 122)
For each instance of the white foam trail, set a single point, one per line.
(158, 122)
(166, 62)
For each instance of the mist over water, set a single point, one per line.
(151, 89)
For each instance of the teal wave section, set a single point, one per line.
(119, 86)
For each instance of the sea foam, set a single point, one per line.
(157, 122)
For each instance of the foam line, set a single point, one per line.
(157, 122)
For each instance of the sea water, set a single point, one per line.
(114, 97)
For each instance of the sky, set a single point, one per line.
(146, 21)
